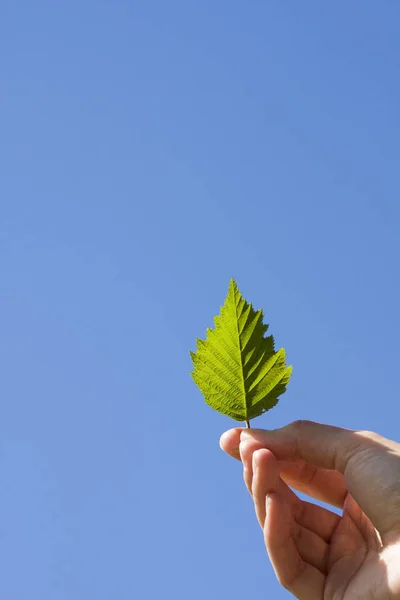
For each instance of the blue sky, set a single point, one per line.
(149, 152)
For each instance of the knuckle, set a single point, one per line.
(299, 511)
(297, 430)
(300, 424)
(370, 435)
(308, 473)
(297, 534)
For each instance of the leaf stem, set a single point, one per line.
(247, 424)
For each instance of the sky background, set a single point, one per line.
(149, 152)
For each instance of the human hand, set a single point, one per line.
(317, 554)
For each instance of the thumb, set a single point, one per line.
(323, 446)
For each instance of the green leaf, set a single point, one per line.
(236, 367)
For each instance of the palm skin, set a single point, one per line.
(317, 554)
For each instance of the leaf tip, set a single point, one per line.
(232, 284)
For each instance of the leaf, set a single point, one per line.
(236, 367)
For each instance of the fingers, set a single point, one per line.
(322, 484)
(312, 548)
(245, 454)
(230, 440)
(363, 524)
(296, 533)
(302, 579)
(265, 481)
(261, 473)
(298, 555)
(319, 520)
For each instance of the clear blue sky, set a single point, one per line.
(151, 150)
